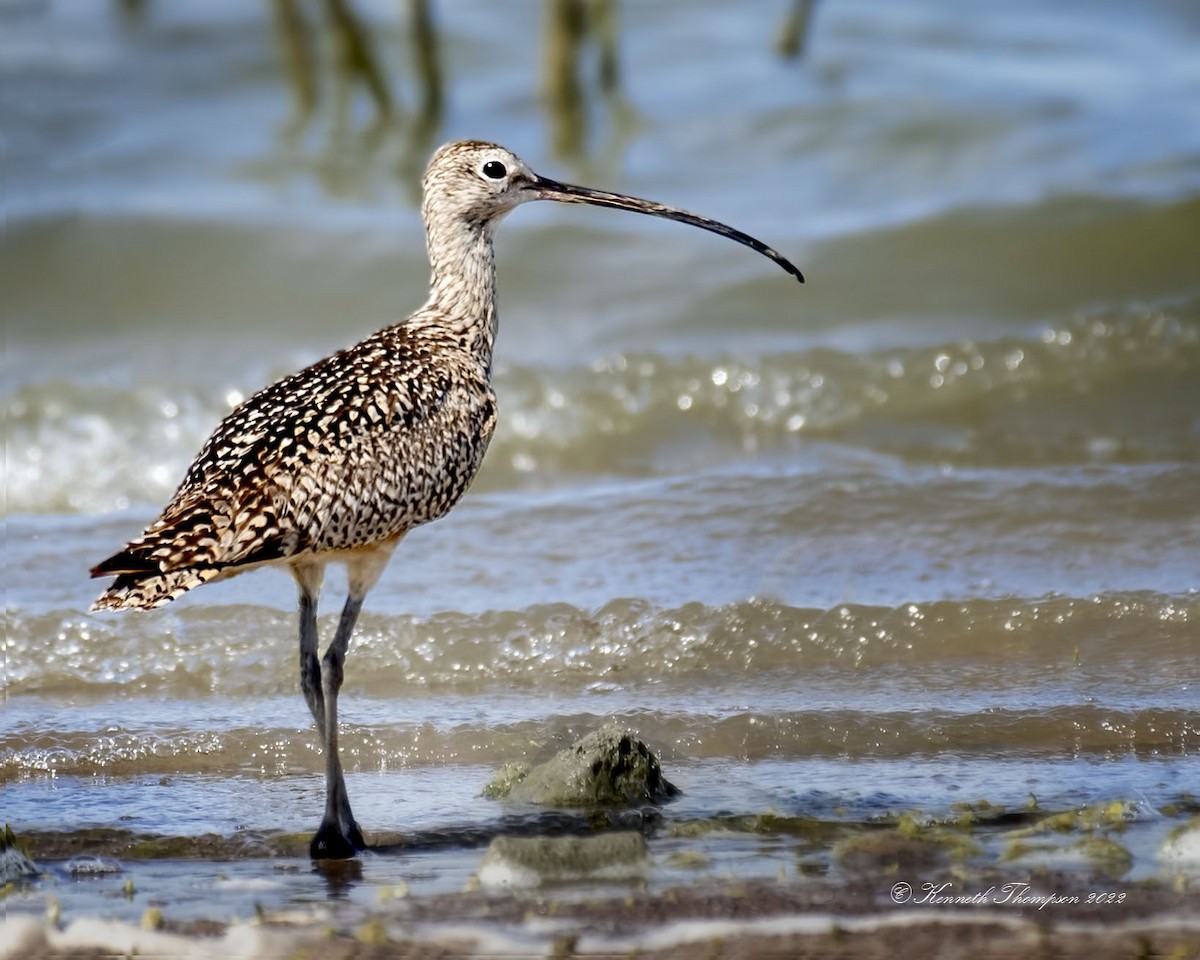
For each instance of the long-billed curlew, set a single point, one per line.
(337, 462)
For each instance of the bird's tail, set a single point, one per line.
(146, 586)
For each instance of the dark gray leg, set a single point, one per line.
(309, 577)
(338, 836)
(310, 666)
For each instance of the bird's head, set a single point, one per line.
(477, 183)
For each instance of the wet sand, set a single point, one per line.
(755, 919)
(586, 885)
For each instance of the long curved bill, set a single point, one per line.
(547, 189)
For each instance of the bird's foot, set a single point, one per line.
(335, 841)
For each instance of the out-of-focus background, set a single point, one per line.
(929, 523)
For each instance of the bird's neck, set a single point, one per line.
(462, 286)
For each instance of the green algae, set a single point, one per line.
(1111, 817)
(500, 787)
(763, 824)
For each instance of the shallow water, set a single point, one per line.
(925, 530)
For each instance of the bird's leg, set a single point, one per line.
(338, 836)
(310, 666)
(308, 579)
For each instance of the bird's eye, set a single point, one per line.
(494, 170)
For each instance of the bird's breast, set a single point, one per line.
(412, 463)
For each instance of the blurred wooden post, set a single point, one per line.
(563, 36)
(355, 56)
(427, 57)
(603, 17)
(133, 12)
(299, 65)
(792, 38)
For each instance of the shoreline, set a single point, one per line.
(733, 920)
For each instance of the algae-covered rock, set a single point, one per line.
(1112, 817)
(609, 767)
(1101, 856)
(15, 864)
(1180, 851)
(1104, 855)
(532, 861)
(885, 853)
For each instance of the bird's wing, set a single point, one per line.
(353, 449)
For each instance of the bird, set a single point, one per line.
(337, 462)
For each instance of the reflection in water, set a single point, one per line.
(341, 876)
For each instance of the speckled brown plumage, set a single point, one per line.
(337, 462)
(348, 453)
